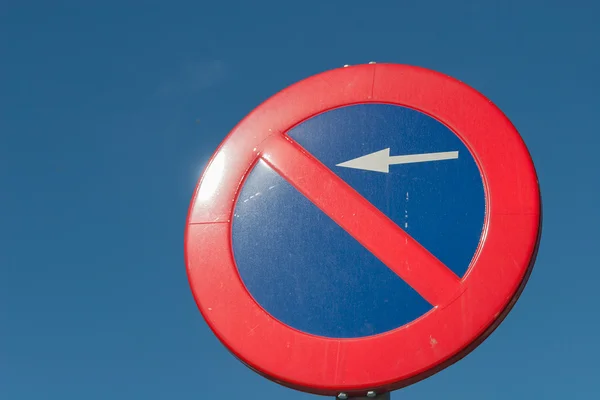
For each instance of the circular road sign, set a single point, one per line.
(363, 229)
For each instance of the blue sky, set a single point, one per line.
(110, 110)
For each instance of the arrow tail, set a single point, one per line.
(416, 158)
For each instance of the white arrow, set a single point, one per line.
(381, 160)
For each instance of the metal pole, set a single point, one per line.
(383, 396)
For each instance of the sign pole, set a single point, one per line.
(370, 396)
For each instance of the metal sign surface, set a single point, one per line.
(363, 229)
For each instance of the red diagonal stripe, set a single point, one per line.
(363, 221)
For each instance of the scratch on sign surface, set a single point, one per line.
(432, 341)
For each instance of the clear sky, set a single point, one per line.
(110, 110)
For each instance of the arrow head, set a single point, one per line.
(378, 161)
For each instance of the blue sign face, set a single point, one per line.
(309, 273)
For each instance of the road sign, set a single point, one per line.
(363, 229)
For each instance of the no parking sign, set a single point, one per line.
(363, 229)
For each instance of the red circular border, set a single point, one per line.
(410, 353)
